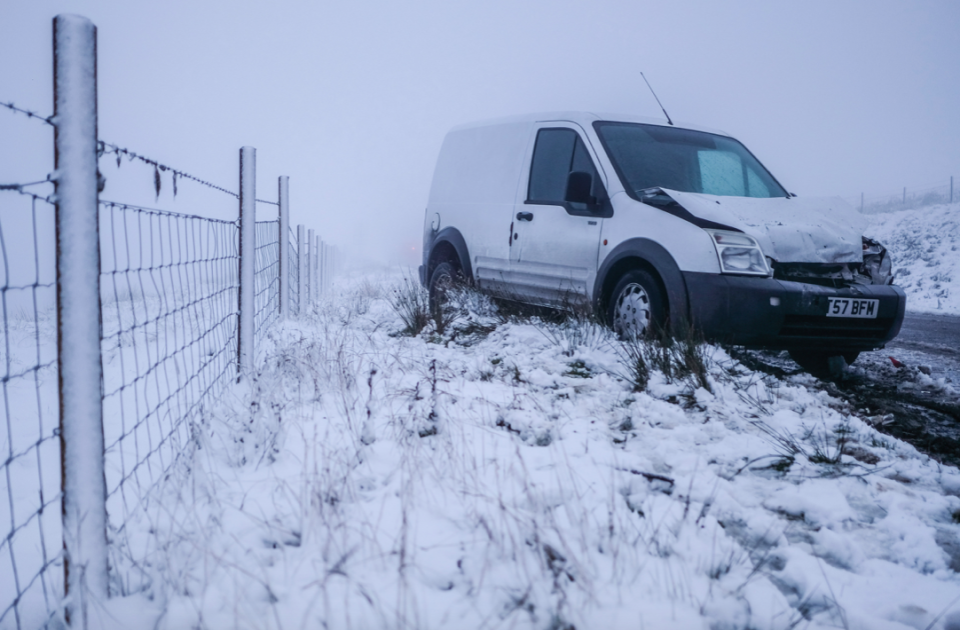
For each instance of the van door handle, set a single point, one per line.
(524, 216)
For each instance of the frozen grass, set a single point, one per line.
(412, 304)
(506, 473)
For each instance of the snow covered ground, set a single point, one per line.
(925, 243)
(505, 474)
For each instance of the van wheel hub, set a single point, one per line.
(632, 312)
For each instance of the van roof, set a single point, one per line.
(584, 119)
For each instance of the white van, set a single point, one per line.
(655, 225)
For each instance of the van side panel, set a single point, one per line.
(479, 165)
(474, 189)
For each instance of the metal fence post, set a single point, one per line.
(311, 263)
(317, 280)
(302, 265)
(322, 272)
(284, 199)
(78, 316)
(951, 189)
(327, 270)
(248, 227)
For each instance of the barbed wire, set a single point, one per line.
(22, 186)
(107, 148)
(18, 188)
(159, 212)
(28, 113)
(271, 203)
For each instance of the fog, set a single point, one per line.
(352, 100)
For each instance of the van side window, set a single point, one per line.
(557, 153)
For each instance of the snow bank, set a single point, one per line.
(925, 243)
(505, 475)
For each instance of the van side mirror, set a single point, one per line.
(579, 184)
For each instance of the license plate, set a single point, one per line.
(853, 307)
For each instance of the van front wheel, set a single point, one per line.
(823, 363)
(636, 307)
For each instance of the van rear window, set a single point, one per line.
(647, 156)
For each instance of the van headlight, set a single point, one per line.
(877, 263)
(739, 253)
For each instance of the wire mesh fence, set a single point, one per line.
(907, 198)
(167, 347)
(294, 277)
(169, 306)
(31, 551)
(267, 275)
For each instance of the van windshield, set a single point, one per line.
(647, 156)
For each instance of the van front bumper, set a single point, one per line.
(780, 314)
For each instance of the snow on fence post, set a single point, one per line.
(78, 316)
(302, 266)
(283, 242)
(248, 229)
(311, 263)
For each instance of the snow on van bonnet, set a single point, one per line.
(508, 474)
(925, 244)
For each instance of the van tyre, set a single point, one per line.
(636, 307)
(823, 363)
(445, 277)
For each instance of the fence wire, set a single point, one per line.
(27, 113)
(266, 276)
(294, 277)
(31, 558)
(169, 297)
(907, 198)
(169, 289)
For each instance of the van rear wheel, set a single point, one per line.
(636, 307)
(445, 277)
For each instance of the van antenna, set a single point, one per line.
(658, 100)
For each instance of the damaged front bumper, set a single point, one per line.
(784, 314)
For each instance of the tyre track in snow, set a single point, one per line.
(918, 402)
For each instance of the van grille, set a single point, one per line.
(835, 327)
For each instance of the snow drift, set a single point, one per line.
(506, 475)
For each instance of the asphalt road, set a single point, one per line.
(937, 334)
(932, 341)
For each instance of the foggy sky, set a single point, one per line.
(352, 100)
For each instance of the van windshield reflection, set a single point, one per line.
(647, 156)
